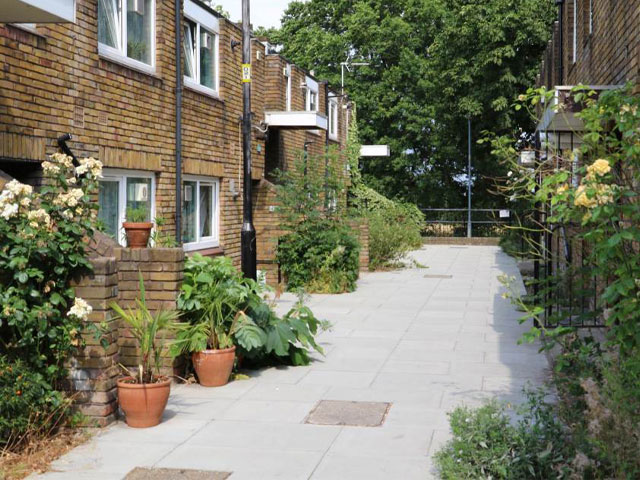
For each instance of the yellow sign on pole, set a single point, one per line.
(246, 73)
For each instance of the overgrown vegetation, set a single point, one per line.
(320, 252)
(43, 248)
(591, 192)
(222, 309)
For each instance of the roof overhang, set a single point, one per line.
(375, 151)
(559, 115)
(296, 120)
(38, 11)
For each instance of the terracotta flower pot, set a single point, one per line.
(213, 367)
(143, 404)
(137, 233)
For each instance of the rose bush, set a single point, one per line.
(43, 239)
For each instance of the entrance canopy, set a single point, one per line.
(296, 120)
(38, 11)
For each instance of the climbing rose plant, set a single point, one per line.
(42, 249)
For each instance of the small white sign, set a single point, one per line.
(505, 213)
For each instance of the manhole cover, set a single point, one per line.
(140, 473)
(355, 414)
(438, 276)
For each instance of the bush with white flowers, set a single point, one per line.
(42, 248)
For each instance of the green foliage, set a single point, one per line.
(29, 404)
(487, 444)
(42, 238)
(321, 251)
(146, 328)
(223, 308)
(432, 63)
(138, 214)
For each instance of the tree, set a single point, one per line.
(432, 63)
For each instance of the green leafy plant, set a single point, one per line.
(146, 328)
(138, 214)
(223, 309)
(162, 239)
(320, 252)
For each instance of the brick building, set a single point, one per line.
(109, 79)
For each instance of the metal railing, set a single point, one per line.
(454, 222)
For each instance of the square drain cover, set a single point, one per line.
(140, 473)
(355, 414)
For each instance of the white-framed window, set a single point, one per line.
(200, 212)
(200, 44)
(126, 32)
(120, 190)
(590, 17)
(287, 74)
(312, 95)
(333, 118)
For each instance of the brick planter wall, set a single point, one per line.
(162, 270)
(94, 370)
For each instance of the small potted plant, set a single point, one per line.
(137, 228)
(143, 395)
(212, 300)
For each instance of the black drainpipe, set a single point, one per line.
(178, 28)
(326, 147)
(560, 4)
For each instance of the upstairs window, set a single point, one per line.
(287, 74)
(312, 95)
(126, 31)
(333, 119)
(200, 46)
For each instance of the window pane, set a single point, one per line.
(189, 50)
(108, 204)
(108, 22)
(189, 212)
(207, 58)
(206, 210)
(139, 195)
(139, 29)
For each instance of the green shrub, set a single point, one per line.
(29, 406)
(321, 257)
(487, 444)
(212, 287)
(394, 227)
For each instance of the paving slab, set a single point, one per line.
(422, 340)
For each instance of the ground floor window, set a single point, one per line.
(120, 191)
(200, 212)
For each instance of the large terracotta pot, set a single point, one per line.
(137, 233)
(213, 367)
(143, 404)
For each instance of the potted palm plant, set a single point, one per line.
(143, 394)
(212, 299)
(137, 228)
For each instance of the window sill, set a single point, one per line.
(28, 29)
(334, 138)
(199, 246)
(196, 87)
(209, 252)
(107, 53)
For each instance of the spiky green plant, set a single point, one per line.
(145, 328)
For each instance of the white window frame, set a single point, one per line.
(287, 74)
(590, 17)
(120, 55)
(210, 22)
(312, 88)
(120, 176)
(333, 119)
(213, 240)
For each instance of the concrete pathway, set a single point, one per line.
(416, 338)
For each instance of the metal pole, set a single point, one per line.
(248, 233)
(560, 5)
(326, 147)
(469, 229)
(342, 78)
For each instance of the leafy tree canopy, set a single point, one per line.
(432, 64)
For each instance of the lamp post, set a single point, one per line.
(248, 232)
(346, 65)
(469, 228)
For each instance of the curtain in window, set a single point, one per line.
(108, 207)
(189, 50)
(139, 29)
(189, 212)
(207, 59)
(108, 24)
(206, 206)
